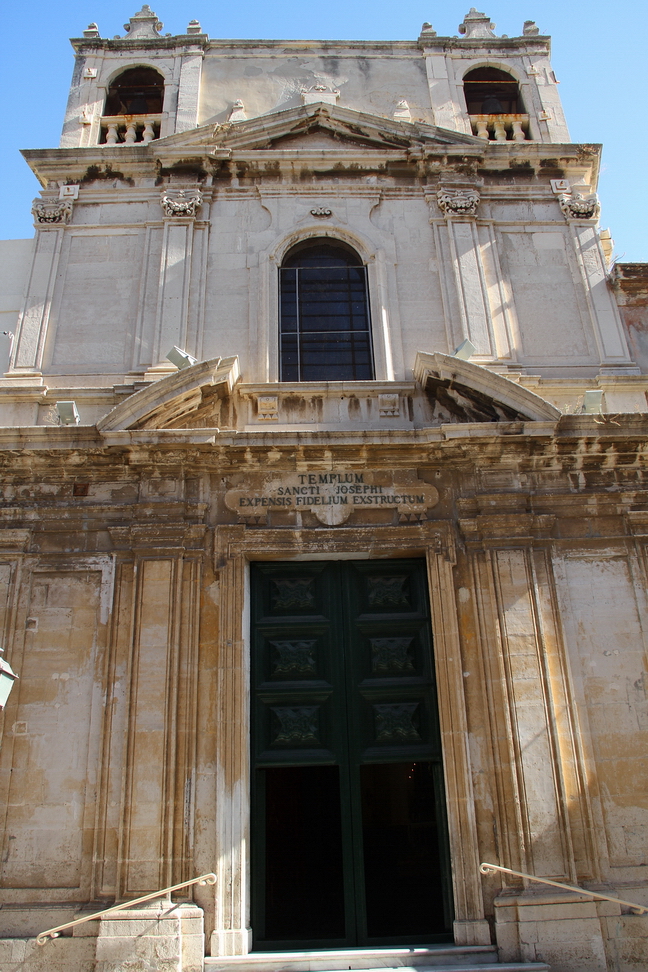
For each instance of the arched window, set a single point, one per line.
(490, 91)
(137, 91)
(325, 329)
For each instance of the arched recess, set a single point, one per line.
(376, 264)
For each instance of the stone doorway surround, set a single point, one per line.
(235, 547)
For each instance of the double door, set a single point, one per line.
(349, 838)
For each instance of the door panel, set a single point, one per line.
(349, 843)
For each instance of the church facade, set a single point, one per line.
(325, 517)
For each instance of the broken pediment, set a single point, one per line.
(341, 126)
(191, 398)
(459, 391)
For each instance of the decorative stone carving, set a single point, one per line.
(58, 212)
(320, 92)
(91, 31)
(578, 205)
(428, 29)
(476, 24)
(530, 29)
(143, 24)
(458, 202)
(180, 204)
(238, 112)
(267, 408)
(402, 111)
(194, 27)
(389, 406)
(321, 212)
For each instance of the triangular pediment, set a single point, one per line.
(329, 127)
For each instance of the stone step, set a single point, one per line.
(441, 958)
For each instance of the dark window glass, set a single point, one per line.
(325, 332)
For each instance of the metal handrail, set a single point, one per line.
(486, 868)
(209, 878)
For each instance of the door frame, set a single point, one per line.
(235, 547)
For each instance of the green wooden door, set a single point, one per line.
(349, 839)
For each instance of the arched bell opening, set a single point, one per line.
(133, 108)
(495, 106)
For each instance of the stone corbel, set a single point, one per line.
(55, 212)
(458, 202)
(180, 204)
(578, 205)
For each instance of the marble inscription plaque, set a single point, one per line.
(331, 496)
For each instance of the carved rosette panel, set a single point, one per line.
(294, 658)
(391, 656)
(293, 593)
(394, 723)
(296, 725)
(458, 202)
(388, 591)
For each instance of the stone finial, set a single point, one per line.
(530, 29)
(237, 112)
(428, 29)
(458, 202)
(402, 111)
(194, 27)
(143, 24)
(91, 31)
(476, 24)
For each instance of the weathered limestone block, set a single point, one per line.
(555, 928)
(162, 938)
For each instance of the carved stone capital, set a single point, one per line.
(181, 205)
(458, 202)
(56, 212)
(576, 205)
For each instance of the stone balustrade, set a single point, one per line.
(129, 129)
(501, 128)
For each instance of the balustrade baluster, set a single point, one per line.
(500, 130)
(131, 133)
(149, 134)
(518, 132)
(482, 128)
(112, 137)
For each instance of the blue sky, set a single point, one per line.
(598, 56)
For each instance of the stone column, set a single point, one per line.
(31, 334)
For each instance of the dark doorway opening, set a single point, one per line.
(349, 832)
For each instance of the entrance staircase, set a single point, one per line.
(440, 958)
